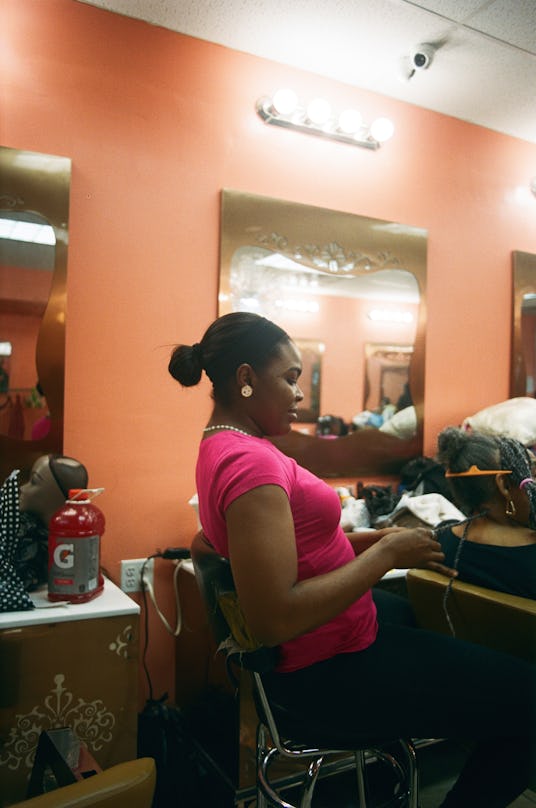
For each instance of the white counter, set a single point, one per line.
(111, 602)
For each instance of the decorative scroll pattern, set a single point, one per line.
(90, 720)
(10, 202)
(120, 645)
(330, 257)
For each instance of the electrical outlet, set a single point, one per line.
(131, 573)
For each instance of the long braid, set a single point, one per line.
(515, 456)
(448, 589)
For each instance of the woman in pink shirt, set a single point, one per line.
(305, 586)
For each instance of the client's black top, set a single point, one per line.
(506, 569)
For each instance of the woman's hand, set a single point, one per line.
(363, 539)
(416, 547)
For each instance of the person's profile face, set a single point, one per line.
(277, 392)
(41, 492)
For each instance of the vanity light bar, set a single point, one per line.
(284, 109)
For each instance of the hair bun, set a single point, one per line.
(450, 443)
(197, 353)
(185, 364)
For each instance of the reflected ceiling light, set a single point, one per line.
(390, 316)
(316, 118)
(306, 306)
(250, 304)
(33, 232)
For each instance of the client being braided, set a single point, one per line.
(492, 481)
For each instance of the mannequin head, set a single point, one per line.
(51, 479)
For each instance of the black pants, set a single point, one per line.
(419, 684)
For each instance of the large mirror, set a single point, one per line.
(34, 215)
(347, 282)
(523, 364)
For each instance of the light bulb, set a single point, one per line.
(350, 121)
(285, 101)
(382, 129)
(318, 111)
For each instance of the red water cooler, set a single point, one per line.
(74, 536)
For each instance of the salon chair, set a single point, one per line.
(282, 735)
(129, 784)
(484, 616)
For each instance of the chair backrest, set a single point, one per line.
(228, 625)
(131, 783)
(484, 616)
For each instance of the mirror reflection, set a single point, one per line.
(528, 339)
(311, 378)
(27, 256)
(34, 208)
(348, 282)
(387, 377)
(523, 364)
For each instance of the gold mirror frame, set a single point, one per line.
(40, 183)
(372, 244)
(382, 360)
(523, 283)
(311, 379)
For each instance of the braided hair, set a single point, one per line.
(516, 457)
(458, 450)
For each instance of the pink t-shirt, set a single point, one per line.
(229, 465)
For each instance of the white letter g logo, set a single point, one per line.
(64, 556)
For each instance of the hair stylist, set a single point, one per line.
(305, 586)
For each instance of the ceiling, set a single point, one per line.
(483, 69)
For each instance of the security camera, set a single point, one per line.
(421, 57)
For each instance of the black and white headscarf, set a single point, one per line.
(13, 596)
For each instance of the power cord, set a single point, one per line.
(179, 555)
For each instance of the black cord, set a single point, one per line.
(170, 553)
(146, 623)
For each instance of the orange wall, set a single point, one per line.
(156, 124)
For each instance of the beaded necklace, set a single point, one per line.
(231, 428)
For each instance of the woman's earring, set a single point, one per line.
(246, 390)
(510, 509)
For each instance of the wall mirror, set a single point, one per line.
(387, 376)
(34, 215)
(344, 281)
(311, 379)
(523, 363)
